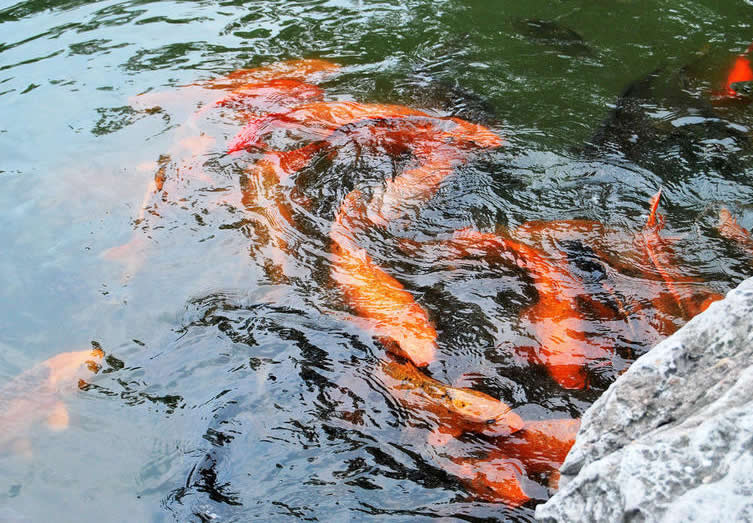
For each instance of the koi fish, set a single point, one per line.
(741, 71)
(318, 120)
(395, 317)
(457, 410)
(497, 480)
(37, 393)
(539, 447)
(679, 300)
(434, 143)
(187, 156)
(304, 70)
(271, 96)
(564, 348)
(730, 229)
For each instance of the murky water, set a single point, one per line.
(239, 383)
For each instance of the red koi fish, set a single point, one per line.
(305, 70)
(501, 476)
(730, 229)
(680, 300)
(560, 329)
(395, 317)
(318, 120)
(741, 71)
(456, 410)
(37, 394)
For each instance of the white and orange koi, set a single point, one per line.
(38, 393)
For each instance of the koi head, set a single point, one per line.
(497, 480)
(495, 417)
(69, 365)
(478, 134)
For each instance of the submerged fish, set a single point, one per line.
(186, 158)
(739, 76)
(455, 410)
(271, 96)
(554, 34)
(497, 480)
(730, 229)
(37, 394)
(305, 70)
(319, 120)
(502, 474)
(392, 313)
(558, 324)
(678, 301)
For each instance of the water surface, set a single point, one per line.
(233, 392)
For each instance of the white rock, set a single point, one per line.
(672, 438)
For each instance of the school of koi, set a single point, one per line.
(284, 95)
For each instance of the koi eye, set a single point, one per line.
(490, 421)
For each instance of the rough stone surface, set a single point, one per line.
(672, 438)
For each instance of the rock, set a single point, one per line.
(672, 438)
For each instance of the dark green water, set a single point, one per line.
(239, 391)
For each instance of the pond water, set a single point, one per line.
(239, 382)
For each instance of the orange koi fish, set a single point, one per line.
(434, 142)
(306, 70)
(497, 480)
(541, 446)
(501, 476)
(730, 229)
(396, 318)
(185, 159)
(260, 98)
(560, 328)
(37, 393)
(741, 71)
(457, 410)
(317, 120)
(679, 301)
(438, 154)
